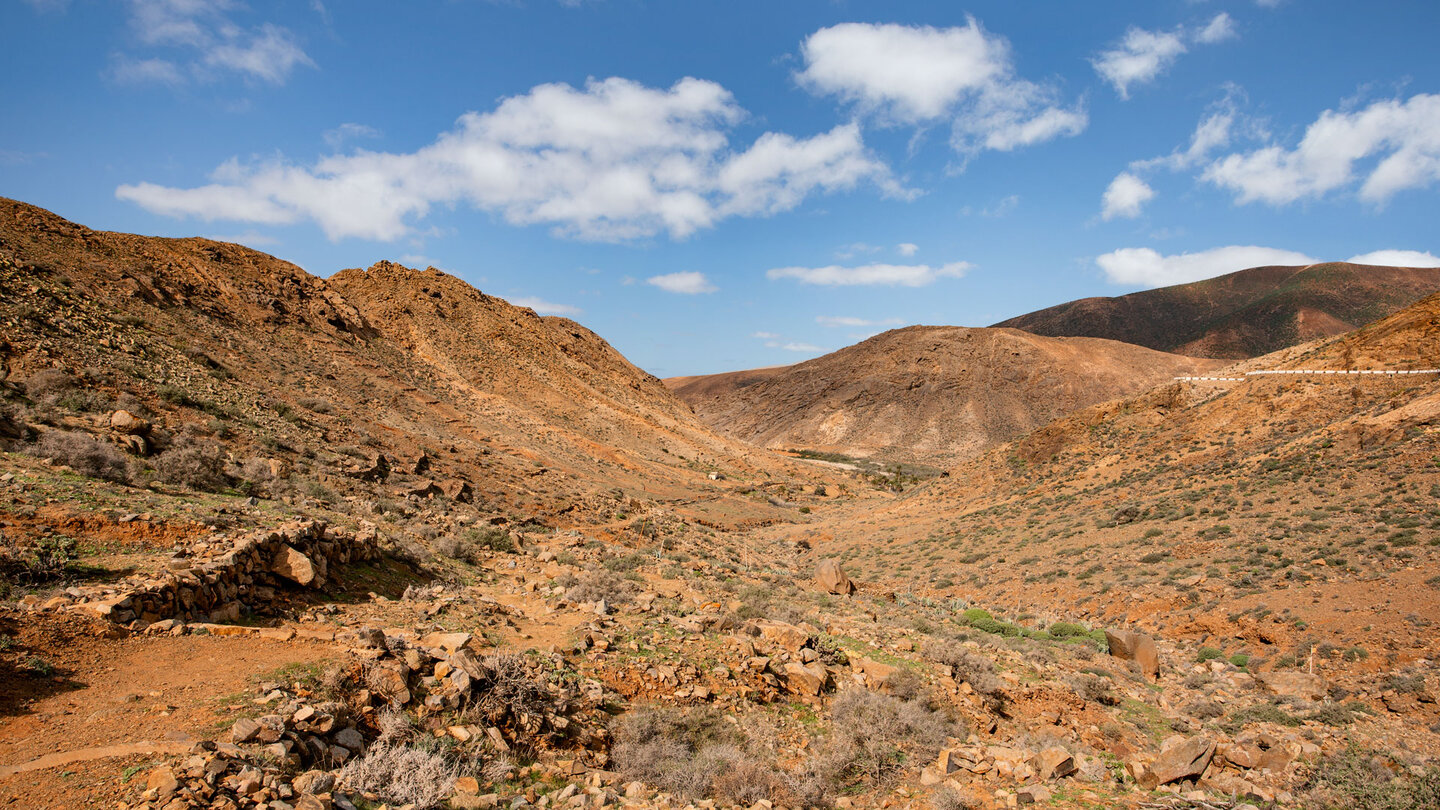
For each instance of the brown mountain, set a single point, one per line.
(324, 375)
(926, 393)
(1244, 314)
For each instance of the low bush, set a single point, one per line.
(695, 753)
(1359, 778)
(873, 735)
(402, 775)
(195, 463)
(600, 585)
(84, 454)
(967, 666)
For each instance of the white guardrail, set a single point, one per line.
(1308, 372)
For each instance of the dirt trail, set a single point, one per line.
(138, 694)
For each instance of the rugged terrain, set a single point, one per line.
(268, 540)
(1243, 314)
(930, 394)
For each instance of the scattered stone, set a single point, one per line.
(1180, 761)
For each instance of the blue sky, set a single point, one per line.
(723, 185)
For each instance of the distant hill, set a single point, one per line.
(926, 393)
(1243, 314)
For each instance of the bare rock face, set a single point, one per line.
(788, 636)
(294, 566)
(1128, 645)
(1053, 763)
(832, 578)
(1185, 760)
(457, 490)
(1295, 684)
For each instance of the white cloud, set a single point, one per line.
(686, 283)
(1397, 258)
(920, 74)
(1403, 135)
(543, 307)
(854, 249)
(1141, 56)
(843, 320)
(1125, 196)
(1219, 29)
(907, 248)
(613, 161)
(1149, 268)
(765, 335)
(203, 43)
(892, 275)
(806, 348)
(335, 138)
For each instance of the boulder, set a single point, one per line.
(1290, 683)
(128, 423)
(1053, 763)
(801, 679)
(832, 578)
(294, 566)
(1128, 645)
(457, 490)
(877, 675)
(1184, 760)
(786, 635)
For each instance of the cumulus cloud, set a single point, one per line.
(1149, 268)
(1402, 136)
(201, 42)
(1141, 56)
(1397, 258)
(890, 275)
(612, 161)
(543, 307)
(907, 248)
(917, 75)
(1125, 196)
(685, 283)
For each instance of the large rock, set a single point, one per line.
(294, 566)
(1128, 645)
(1182, 761)
(1053, 763)
(1289, 683)
(832, 578)
(877, 675)
(801, 679)
(786, 635)
(128, 423)
(457, 490)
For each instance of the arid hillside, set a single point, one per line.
(217, 342)
(1244, 314)
(931, 394)
(1264, 516)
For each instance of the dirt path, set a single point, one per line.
(118, 701)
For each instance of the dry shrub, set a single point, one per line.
(50, 385)
(402, 775)
(1095, 687)
(698, 753)
(1358, 778)
(873, 735)
(603, 584)
(948, 798)
(194, 463)
(84, 454)
(972, 668)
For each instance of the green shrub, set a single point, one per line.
(1067, 630)
(1240, 659)
(1208, 654)
(974, 614)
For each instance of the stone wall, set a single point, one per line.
(219, 584)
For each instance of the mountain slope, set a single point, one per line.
(927, 393)
(540, 415)
(1244, 314)
(1263, 516)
